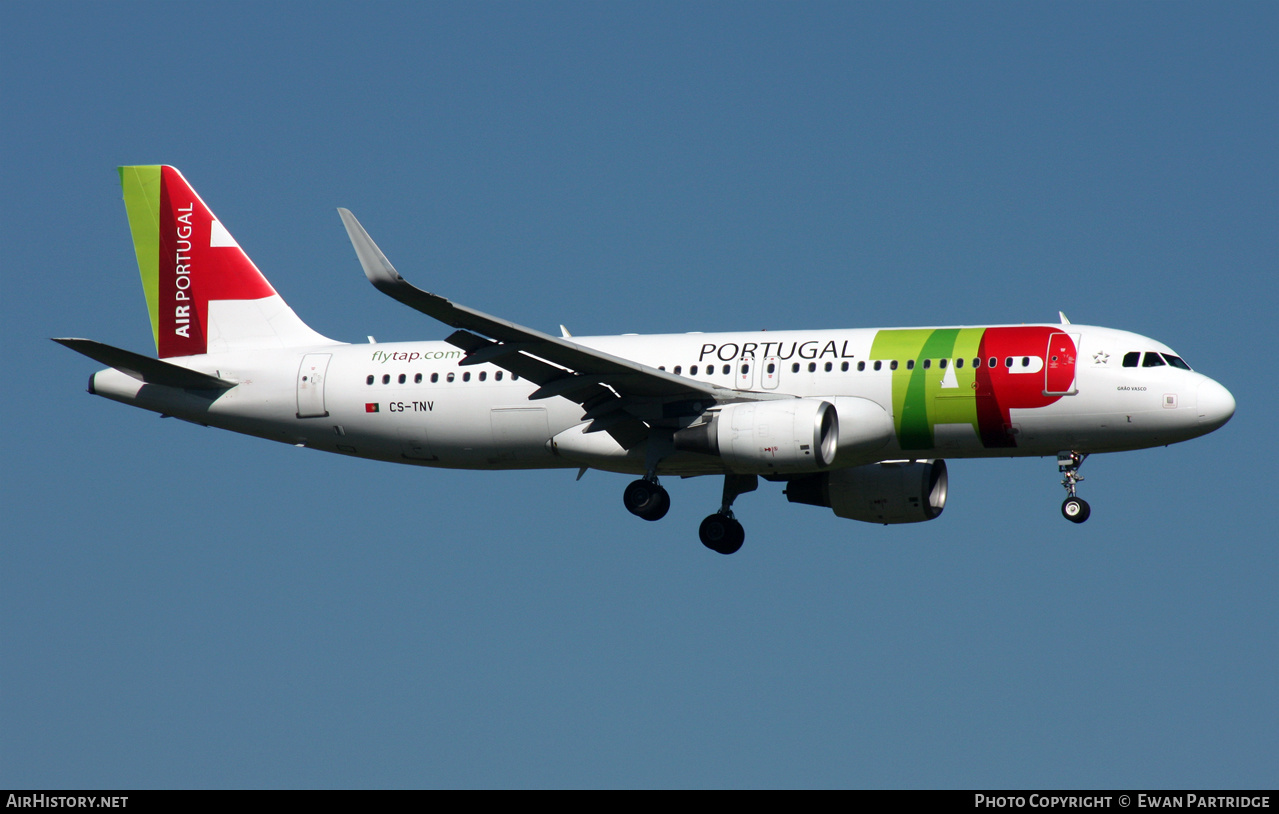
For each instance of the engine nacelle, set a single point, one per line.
(767, 437)
(889, 492)
(864, 429)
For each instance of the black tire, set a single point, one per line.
(1075, 509)
(646, 500)
(638, 496)
(721, 534)
(735, 539)
(661, 505)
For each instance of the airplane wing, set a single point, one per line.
(619, 396)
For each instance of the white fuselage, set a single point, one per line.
(411, 402)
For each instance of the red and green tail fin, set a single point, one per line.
(204, 294)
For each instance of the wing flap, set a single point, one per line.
(628, 431)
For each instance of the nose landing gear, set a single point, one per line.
(1075, 509)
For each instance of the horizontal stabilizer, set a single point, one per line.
(144, 368)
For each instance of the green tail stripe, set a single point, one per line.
(142, 202)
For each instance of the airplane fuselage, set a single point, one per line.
(957, 392)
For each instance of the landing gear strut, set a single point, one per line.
(647, 499)
(1075, 509)
(721, 532)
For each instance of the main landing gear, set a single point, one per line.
(719, 532)
(647, 499)
(1075, 509)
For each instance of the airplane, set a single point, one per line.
(860, 421)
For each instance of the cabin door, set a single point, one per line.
(1059, 365)
(311, 385)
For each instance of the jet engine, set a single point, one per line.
(767, 437)
(864, 429)
(888, 492)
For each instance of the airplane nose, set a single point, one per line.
(1216, 405)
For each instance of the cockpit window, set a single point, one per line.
(1152, 360)
(1131, 358)
(1176, 361)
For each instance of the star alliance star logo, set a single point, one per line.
(1100, 357)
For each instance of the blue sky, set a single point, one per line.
(183, 607)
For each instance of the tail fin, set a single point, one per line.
(203, 292)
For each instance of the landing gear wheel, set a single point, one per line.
(662, 506)
(1075, 509)
(722, 534)
(647, 500)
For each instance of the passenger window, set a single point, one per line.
(794, 368)
(727, 370)
(483, 375)
(910, 364)
(992, 362)
(861, 367)
(772, 368)
(417, 378)
(941, 363)
(497, 377)
(812, 367)
(435, 377)
(1008, 362)
(843, 367)
(403, 378)
(892, 365)
(878, 365)
(678, 370)
(386, 378)
(466, 377)
(959, 363)
(1152, 360)
(515, 377)
(449, 378)
(692, 371)
(369, 380)
(1025, 361)
(1130, 358)
(746, 369)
